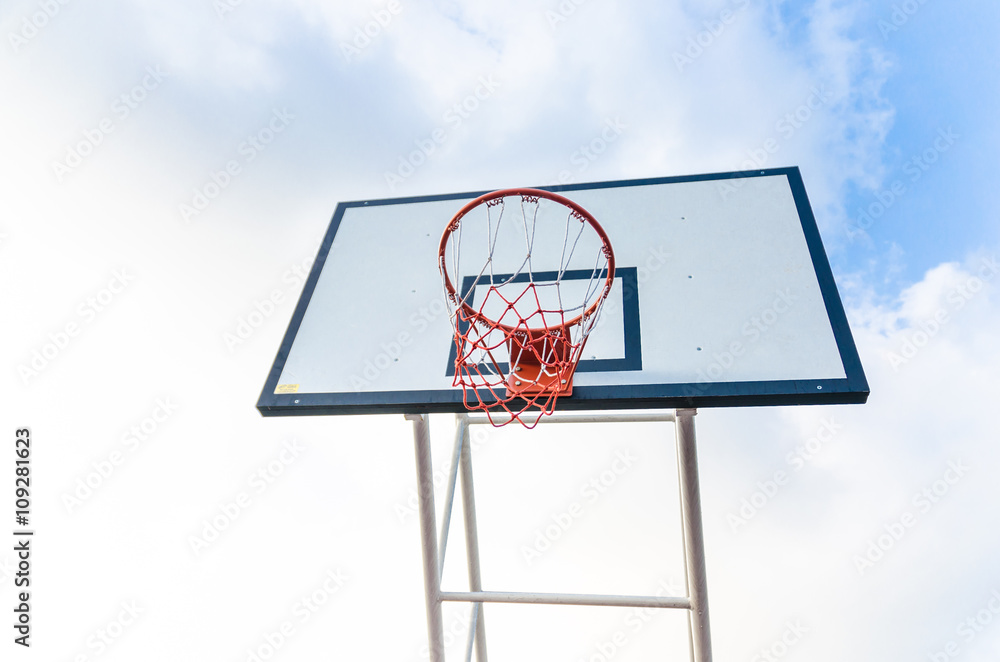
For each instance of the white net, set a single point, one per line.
(525, 273)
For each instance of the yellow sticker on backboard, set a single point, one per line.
(286, 388)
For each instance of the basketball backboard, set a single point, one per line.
(723, 296)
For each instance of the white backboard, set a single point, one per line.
(723, 296)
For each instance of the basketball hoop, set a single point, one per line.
(531, 293)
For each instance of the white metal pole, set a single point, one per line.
(694, 541)
(461, 437)
(472, 538)
(585, 599)
(428, 536)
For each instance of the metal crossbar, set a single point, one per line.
(586, 600)
(461, 465)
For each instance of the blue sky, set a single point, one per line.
(945, 210)
(121, 118)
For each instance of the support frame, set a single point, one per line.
(434, 548)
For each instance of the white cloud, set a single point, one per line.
(559, 84)
(798, 555)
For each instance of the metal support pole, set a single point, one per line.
(472, 538)
(694, 541)
(428, 536)
(473, 631)
(585, 599)
(461, 437)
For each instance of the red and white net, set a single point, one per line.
(526, 273)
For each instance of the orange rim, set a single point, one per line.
(579, 211)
